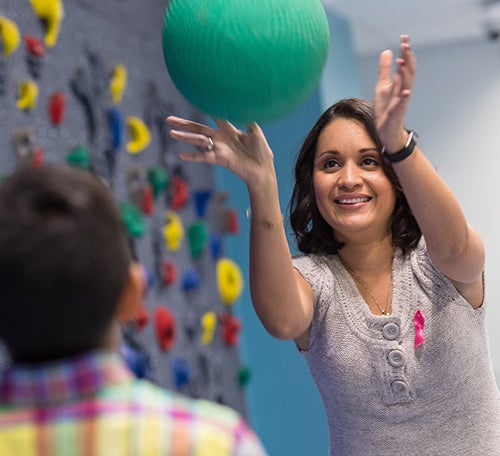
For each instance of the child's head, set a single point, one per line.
(64, 262)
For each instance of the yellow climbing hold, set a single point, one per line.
(229, 280)
(208, 325)
(118, 83)
(9, 32)
(139, 135)
(51, 13)
(173, 231)
(27, 95)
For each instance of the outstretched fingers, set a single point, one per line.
(406, 66)
(226, 127)
(196, 139)
(253, 128)
(384, 69)
(189, 125)
(190, 132)
(392, 92)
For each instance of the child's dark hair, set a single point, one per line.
(64, 259)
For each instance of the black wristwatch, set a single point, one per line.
(405, 152)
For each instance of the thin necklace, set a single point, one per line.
(357, 279)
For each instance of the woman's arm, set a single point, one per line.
(454, 246)
(281, 297)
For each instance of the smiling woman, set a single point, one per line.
(380, 302)
(348, 180)
(349, 125)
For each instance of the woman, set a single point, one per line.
(386, 302)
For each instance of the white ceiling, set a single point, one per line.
(377, 24)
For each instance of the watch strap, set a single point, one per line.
(405, 152)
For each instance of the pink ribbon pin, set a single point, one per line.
(419, 321)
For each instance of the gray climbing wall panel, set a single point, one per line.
(95, 37)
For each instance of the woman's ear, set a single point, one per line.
(132, 294)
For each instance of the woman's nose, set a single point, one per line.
(349, 176)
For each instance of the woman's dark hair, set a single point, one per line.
(312, 232)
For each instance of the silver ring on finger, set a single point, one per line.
(210, 146)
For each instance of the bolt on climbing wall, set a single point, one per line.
(85, 83)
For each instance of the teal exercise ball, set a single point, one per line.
(245, 60)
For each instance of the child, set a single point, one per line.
(67, 281)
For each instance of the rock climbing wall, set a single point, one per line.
(85, 82)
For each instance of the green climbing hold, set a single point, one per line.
(244, 375)
(79, 157)
(158, 179)
(197, 235)
(132, 219)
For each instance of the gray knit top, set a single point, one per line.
(382, 395)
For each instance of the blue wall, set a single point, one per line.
(283, 403)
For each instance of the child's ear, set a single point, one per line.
(132, 294)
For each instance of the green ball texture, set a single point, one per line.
(245, 60)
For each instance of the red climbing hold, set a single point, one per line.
(169, 273)
(57, 107)
(231, 328)
(179, 193)
(34, 46)
(37, 160)
(165, 328)
(232, 223)
(148, 200)
(142, 317)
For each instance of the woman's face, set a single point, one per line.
(352, 192)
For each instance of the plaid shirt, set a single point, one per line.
(93, 405)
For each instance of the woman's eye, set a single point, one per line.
(369, 161)
(330, 164)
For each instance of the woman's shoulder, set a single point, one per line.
(312, 266)
(421, 261)
(428, 275)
